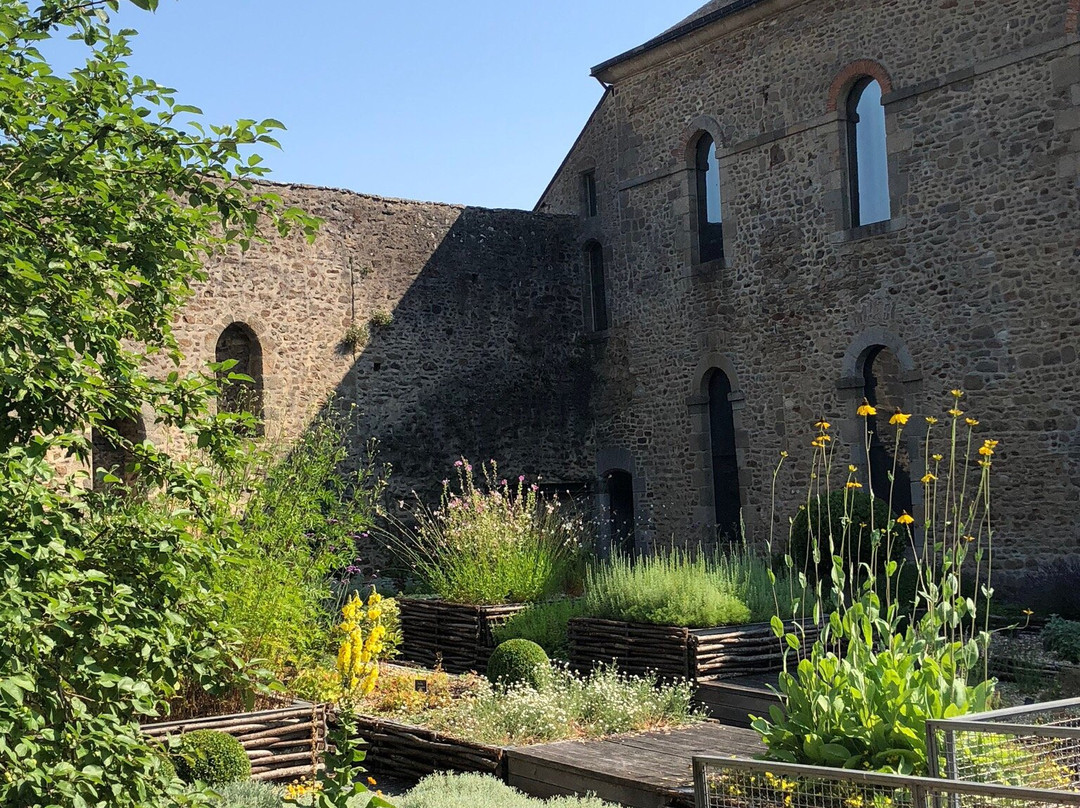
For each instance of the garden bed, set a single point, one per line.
(456, 637)
(282, 744)
(674, 652)
(414, 752)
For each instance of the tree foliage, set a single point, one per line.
(112, 196)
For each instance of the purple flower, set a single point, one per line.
(353, 570)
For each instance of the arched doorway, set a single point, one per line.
(724, 459)
(883, 389)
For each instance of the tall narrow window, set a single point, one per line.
(709, 208)
(239, 343)
(111, 453)
(725, 466)
(594, 255)
(890, 476)
(588, 190)
(620, 495)
(868, 167)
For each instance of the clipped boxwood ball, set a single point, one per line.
(857, 545)
(211, 757)
(517, 662)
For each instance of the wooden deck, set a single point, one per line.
(651, 770)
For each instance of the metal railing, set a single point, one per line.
(1034, 746)
(739, 783)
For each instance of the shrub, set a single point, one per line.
(546, 624)
(211, 757)
(479, 791)
(493, 542)
(518, 662)
(1062, 638)
(846, 520)
(302, 517)
(672, 590)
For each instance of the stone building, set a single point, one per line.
(779, 208)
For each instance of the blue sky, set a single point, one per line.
(474, 102)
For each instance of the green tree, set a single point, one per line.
(112, 196)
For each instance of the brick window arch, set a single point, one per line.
(868, 154)
(707, 200)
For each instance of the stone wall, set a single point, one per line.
(482, 356)
(972, 283)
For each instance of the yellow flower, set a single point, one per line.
(854, 484)
(987, 449)
(818, 443)
(900, 418)
(905, 519)
(931, 420)
(972, 422)
(823, 424)
(371, 781)
(852, 469)
(957, 394)
(783, 454)
(969, 539)
(938, 458)
(1028, 612)
(955, 413)
(866, 410)
(928, 478)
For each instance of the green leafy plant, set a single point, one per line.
(340, 783)
(114, 197)
(492, 541)
(479, 791)
(380, 318)
(210, 757)
(546, 624)
(860, 695)
(518, 662)
(1062, 638)
(672, 590)
(356, 337)
(302, 513)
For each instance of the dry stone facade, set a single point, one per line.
(972, 282)
(454, 331)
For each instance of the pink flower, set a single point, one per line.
(521, 479)
(458, 464)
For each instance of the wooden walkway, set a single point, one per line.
(651, 770)
(733, 701)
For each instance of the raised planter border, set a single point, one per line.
(406, 750)
(282, 744)
(456, 637)
(675, 652)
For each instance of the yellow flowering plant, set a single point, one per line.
(893, 650)
(363, 633)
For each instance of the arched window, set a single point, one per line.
(239, 343)
(594, 258)
(883, 389)
(620, 497)
(709, 208)
(725, 465)
(111, 450)
(868, 157)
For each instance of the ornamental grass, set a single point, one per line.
(493, 541)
